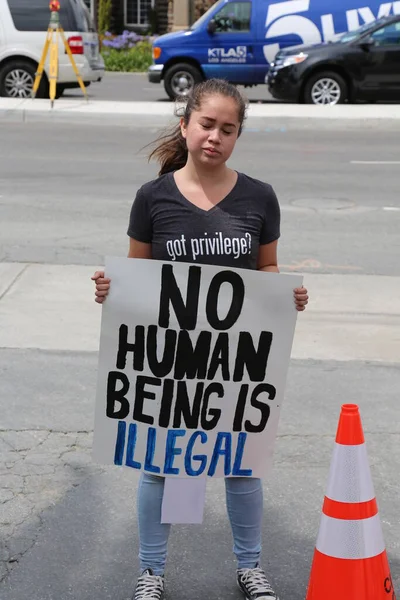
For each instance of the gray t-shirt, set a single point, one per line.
(227, 235)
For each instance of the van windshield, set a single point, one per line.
(204, 17)
(352, 35)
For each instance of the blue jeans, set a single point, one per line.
(244, 501)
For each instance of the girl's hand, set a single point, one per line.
(102, 286)
(301, 298)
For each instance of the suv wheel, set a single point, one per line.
(17, 78)
(325, 88)
(180, 79)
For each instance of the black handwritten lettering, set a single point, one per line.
(114, 395)
(236, 306)
(166, 403)
(191, 362)
(262, 407)
(187, 409)
(215, 413)
(254, 360)
(137, 348)
(186, 313)
(163, 367)
(141, 394)
(240, 406)
(220, 358)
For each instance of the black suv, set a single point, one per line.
(361, 65)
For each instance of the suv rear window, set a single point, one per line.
(34, 15)
(82, 16)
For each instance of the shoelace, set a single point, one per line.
(256, 582)
(149, 586)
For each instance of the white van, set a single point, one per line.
(23, 27)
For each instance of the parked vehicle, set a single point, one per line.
(238, 39)
(361, 65)
(23, 24)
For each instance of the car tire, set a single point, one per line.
(326, 88)
(180, 79)
(17, 78)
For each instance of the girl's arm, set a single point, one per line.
(268, 258)
(268, 261)
(139, 249)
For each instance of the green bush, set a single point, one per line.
(138, 58)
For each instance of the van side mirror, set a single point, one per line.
(211, 27)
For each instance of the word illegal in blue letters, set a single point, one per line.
(195, 464)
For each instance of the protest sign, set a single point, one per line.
(192, 368)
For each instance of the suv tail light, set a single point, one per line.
(75, 42)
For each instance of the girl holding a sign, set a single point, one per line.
(200, 211)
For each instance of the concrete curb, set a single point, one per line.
(126, 113)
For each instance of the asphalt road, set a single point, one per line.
(68, 529)
(67, 190)
(130, 87)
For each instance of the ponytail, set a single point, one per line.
(171, 151)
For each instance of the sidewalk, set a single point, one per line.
(18, 110)
(350, 317)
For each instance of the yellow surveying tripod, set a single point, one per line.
(51, 43)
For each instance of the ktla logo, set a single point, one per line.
(238, 52)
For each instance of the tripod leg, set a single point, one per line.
(53, 68)
(73, 63)
(40, 69)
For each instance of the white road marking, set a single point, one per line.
(353, 211)
(375, 162)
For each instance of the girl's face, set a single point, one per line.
(212, 130)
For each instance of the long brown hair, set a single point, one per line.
(171, 151)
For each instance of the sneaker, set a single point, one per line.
(255, 585)
(149, 587)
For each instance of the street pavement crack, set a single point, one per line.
(14, 281)
(38, 467)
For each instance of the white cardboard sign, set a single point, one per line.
(192, 368)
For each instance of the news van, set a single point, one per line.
(238, 39)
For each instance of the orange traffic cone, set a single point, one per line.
(350, 560)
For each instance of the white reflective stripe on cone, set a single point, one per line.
(339, 538)
(350, 477)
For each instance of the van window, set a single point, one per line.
(206, 15)
(34, 15)
(234, 16)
